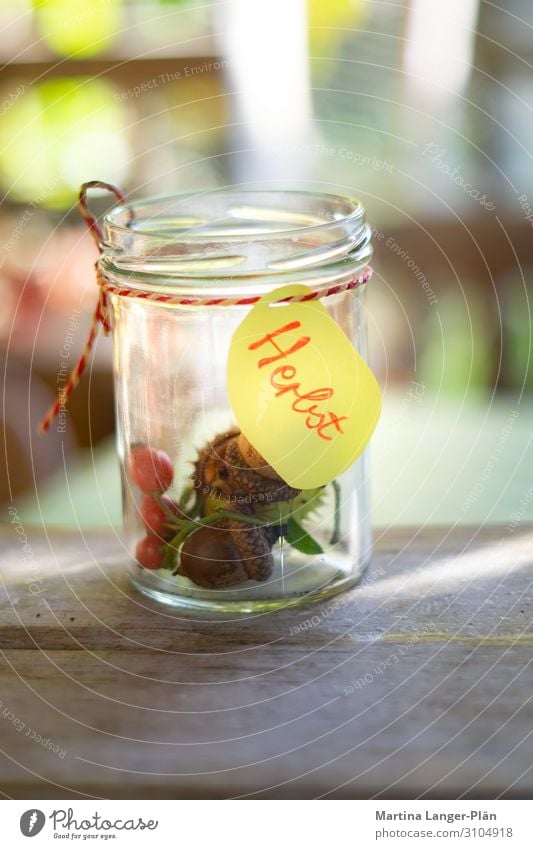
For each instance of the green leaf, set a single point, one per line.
(300, 539)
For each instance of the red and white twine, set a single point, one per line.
(106, 288)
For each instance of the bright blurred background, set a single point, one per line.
(422, 110)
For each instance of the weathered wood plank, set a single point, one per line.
(438, 711)
(417, 682)
(438, 581)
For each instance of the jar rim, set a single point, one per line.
(235, 240)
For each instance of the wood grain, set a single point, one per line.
(417, 683)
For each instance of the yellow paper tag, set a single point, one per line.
(300, 392)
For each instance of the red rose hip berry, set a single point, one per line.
(151, 470)
(155, 514)
(149, 553)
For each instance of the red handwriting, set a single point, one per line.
(305, 403)
(281, 353)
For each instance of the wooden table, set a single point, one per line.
(417, 683)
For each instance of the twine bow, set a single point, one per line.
(101, 313)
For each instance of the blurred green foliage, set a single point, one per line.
(58, 134)
(456, 354)
(518, 330)
(78, 27)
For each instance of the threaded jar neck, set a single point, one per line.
(235, 242)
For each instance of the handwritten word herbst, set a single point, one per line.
(283, 380)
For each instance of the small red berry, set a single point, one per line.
(149, 553)
(155, 516)
(150, 469)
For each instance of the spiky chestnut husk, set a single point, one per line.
(209, 469)
(230, 474)
(300, 508)
(246, 481)
(223, 470)
(254, 460)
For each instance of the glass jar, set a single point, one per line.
(210, 523)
